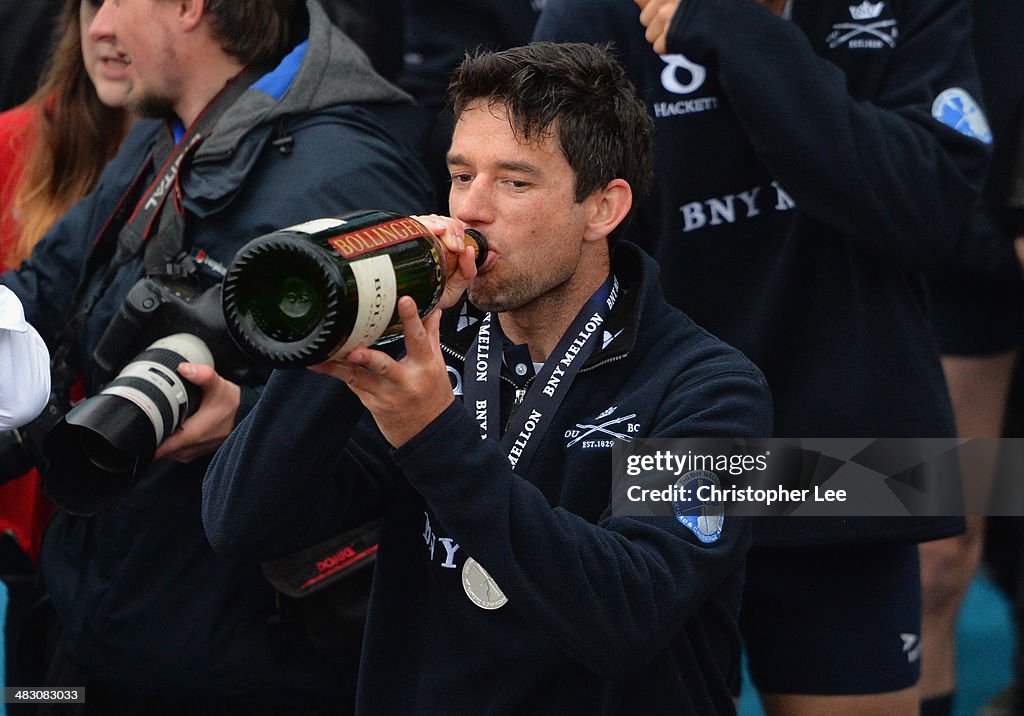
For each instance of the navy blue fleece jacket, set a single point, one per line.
(605, 611)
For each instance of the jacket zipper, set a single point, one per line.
(604, 362)
(452, 352)
(520, 394)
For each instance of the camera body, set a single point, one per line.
(97, 451)
(155, 308)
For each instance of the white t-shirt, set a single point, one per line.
(24, 365)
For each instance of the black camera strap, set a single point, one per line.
(131, 224)
(139, 210)
(160, 212)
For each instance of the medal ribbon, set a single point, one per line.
(482, 377)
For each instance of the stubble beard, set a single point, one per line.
(510, 294)
(153, 106)
(491, 300)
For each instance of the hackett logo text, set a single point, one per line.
(663, 110)
(357, 243)
(731, 208)
(682, 76)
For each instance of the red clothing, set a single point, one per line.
(24, 511)
(15, 144)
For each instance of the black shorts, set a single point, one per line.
(977, 293)
(977, 319)
(833, 621)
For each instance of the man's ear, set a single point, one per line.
(190, 13)
(608, 207)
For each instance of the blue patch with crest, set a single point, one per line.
(702, 517)
(956, 108)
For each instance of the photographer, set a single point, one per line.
(262, 115)
(24, 365)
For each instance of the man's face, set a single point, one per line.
(142, 32)
(520, 196)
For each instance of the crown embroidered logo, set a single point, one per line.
(866, 10)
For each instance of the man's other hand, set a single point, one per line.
(403, 396)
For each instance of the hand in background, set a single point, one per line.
(656, 16)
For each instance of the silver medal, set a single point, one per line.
(481, 589)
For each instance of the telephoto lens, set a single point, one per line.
(99, 449)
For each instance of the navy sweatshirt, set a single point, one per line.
(605, 612)
(803, 180)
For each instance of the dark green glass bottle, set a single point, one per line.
(301, 295)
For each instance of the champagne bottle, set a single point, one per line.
(301, 295)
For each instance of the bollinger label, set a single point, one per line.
(316, 226)
(363, 241)
(377, 294)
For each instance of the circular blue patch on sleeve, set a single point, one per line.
(957, 109)
(703, 517)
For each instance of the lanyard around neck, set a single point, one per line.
(482, 377)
